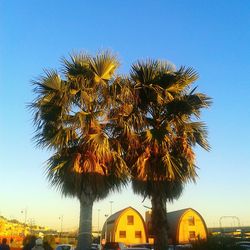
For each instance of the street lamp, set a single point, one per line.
(25, 219)
(111, 207)
(25, 215)
(98, 229)
(106, 229)
(99, 234)
(61, 218)
(32, 225)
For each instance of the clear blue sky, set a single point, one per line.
(210, 35)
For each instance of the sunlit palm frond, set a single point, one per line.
(122, 91)
(196, 132)
(185, 77)
(77, 70)
(141, 168)
(187, 105)
(71, 171)
(103, 66)
(49, 82)
(145, 76)
(144, 73)
(49, 90)
(148, 136)
(172, 168)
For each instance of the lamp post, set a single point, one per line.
(111, 207)
(98, 229)
(106, 228)
(61, 219)
(32, 225)
(25, 220)
(99, 234)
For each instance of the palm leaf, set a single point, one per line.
(103, 66)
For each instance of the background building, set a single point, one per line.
(184, 226)
(125, 226)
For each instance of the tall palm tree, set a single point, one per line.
(71, 118)
(161, 154)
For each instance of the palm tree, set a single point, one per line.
(71, 118)
(161, 155)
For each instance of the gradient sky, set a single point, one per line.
(210, 35)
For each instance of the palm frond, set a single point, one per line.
(144, 73)
(76, 69)
(170, 190)
(103, 66)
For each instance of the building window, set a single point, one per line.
(137, 234)
(130, 220)
(191, 221)
(122, 234)
(191, 235)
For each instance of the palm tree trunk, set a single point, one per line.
(85, 223)
(159, 222)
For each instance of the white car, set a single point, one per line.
(95, 246)
(64, 247)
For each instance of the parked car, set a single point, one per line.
(135, 248)
(243, 245)
(95, 246)
(114, 246)
(183, 246)
(64, 247)
(149, 246)
(143, 245)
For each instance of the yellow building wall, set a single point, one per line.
(122, 225)
(189, 232)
